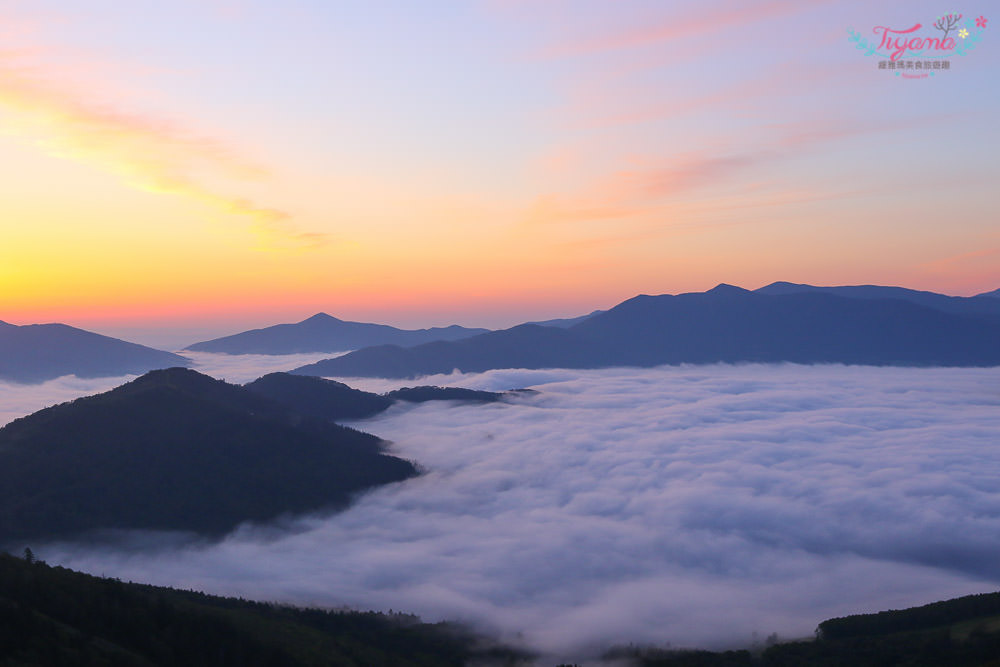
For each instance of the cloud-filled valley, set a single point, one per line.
(695, 505)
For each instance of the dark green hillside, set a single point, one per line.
(331, 400)
(52, 616)
(177, 450)
(964, 632)
(317, 397)
(427, 393)
(932, 615)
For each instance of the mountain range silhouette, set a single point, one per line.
(782, 322)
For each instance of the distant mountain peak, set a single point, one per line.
(726, 288)
(995, 294)
(867, 325)
(325, 333)
(35, 353)
(320, 318)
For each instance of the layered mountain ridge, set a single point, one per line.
(325, 333)
(782, 322)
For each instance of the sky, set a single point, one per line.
(203, 167)
(696, 505)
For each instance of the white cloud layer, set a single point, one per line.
(693, 505)
(18, 400)
(243, 368)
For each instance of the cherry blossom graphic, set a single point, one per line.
(981, 22)
(963, 33)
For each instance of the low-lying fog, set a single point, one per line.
(695, 505)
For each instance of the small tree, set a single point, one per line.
(29, 555)
(946, 23)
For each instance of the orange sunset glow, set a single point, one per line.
(156, 178)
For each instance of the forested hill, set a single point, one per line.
(932, 615)
(317, 397)
(335, 401)
(54, 616)
(178, 450)
(963, 632)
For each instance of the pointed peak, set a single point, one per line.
(318, 318)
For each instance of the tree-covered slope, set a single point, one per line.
(177, 450)
(963, 632)
(53, 616)
(425, 393)
(335, 401)
(316, 397)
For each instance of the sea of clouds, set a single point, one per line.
(696, 505)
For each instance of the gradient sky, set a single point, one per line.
(212, 165)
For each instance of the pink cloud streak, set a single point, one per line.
(148, 152)
(700, 23)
